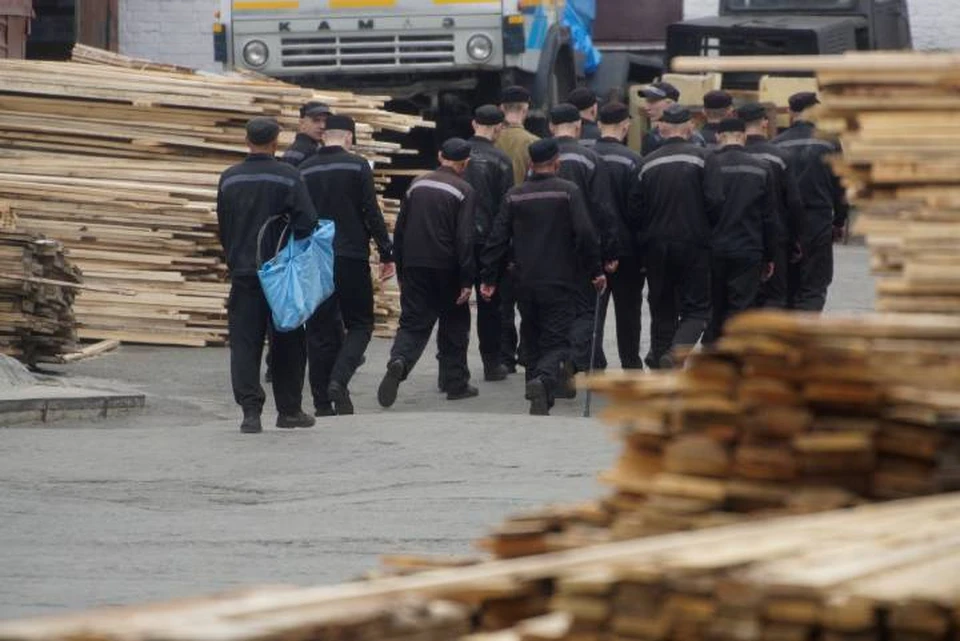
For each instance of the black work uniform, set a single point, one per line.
(249, 194)
(433, 247)
(554, 247)
(825, 207)
(667, 211)
(741, 199)
(627, 282)
(490, 173)
(789, 218)
(589, 132)
(653, 140)
(584, 168)
(341, 185)
(709, 134)
(301, 149)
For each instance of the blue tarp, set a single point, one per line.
(579, 15)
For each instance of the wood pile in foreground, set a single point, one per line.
(37, 322)
(876, 572)
(120, 160)
(789, 413)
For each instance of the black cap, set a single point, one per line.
(661, 90)
(752, 112)
(262, 130)
(676, 115)
(731, 126)
(544, 150)
(314, 108)
(488, 115)
(613, 113)
(513, 94)
(803, 101)
(582, 98)
(564, 113)
(717, 100)
(341, 123)
(455, 149)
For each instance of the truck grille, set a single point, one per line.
(338, 52)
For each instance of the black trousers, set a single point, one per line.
(509, 338)
(248, 320)
(426, 297)
(340, 330)
(811, 277)
(735, 283)
(546, 317)
(581, 332)
(679, 278)
(488, 322)
(774, 292)
(627, 289)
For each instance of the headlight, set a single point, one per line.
(480, 48)
(256, 53)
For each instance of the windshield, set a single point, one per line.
(791, 5)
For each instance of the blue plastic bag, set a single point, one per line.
(299, 278)
(579, 15)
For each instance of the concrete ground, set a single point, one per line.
(174, 501)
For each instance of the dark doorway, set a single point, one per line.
(60, 24)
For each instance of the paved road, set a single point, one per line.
(174, 501)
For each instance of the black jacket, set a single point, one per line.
(490, 173)
(666, 203)
(709, 134)
(789, 202)
(653, 140)
(590, 130)
(302, 148)
(585, 169)
(622, 167)
(341, 186)
(553, 239)
(741, 199)
(248, 195)
(435, 227)
(823, 196)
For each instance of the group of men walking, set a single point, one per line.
(713, 221)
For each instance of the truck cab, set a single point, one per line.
(791, 27)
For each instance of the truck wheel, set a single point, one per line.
(563, 77)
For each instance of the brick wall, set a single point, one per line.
(172, 31)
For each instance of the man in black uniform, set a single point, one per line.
(717, 106)
(789, 215)
(249, 194)
(741, 203)
(668, 213)
(824, 202)
(490, 173)
(627, 282)
(341, 183)
(659, 97)
(433, 247)
(584, 168)
(586, 101)
(554, 244)
(313, 119)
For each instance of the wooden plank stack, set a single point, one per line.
(37, 321)
(789, 413)
(119, 159)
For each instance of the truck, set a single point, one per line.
(791, 27)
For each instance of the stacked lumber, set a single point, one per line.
(895, 115)
(127, 180)
(37, 288)
(872, 573)
(787, 414)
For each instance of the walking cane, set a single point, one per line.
(593, 352)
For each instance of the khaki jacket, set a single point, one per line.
(514, 141)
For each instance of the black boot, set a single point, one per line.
(493, 369)
(539, 399)
(324, 410)
(566, 387)
(387, 394)
(251, 422)
(300, 419)
(340, 396)
(461, 393)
